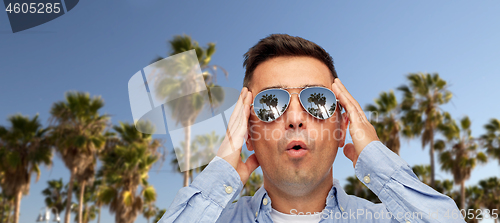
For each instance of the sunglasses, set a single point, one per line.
(270, 104)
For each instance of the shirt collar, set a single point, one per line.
(341, 197)
(337, 197)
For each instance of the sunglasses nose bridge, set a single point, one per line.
(291, 96)
(299, 103)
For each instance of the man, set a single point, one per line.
(289, 114)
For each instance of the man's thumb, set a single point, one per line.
(252, 163)
(350, 153)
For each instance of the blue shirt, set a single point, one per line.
(404, 197)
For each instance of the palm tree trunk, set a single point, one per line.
(394, 138)
(85, 218)
(188, 152)
(431, 151)
(9, 213)
(277, 110)
(69, 195)
(17, 208)
(462, 194)
(80, 203)
(99, 215)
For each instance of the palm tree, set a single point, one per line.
(319, 100)
(78, 137)
(461, 156)
(474, 197)
(23, 148)
(202, 146)
(421, 101)
(149, 211)
(283, 108)
(355, 187)
(491, 198)
(271, 102)
(125, 168)
(97, 190)
(388, 128)
(159, 214)
(423, 173)
(185, 110)
(492, 138)
(90, 202)
(55, 195)
(6, 204)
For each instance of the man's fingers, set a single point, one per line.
(342, 88)
(237, 128)
(351, 110)
(235, 119)
(243, 116)
(354, 114)
(242, 128)
(238, 105)
(249, 98)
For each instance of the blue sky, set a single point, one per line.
(99, 45)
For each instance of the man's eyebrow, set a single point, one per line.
(284, 86)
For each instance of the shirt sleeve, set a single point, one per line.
(404, 195)
(210, 192)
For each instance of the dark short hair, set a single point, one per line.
(276, 45)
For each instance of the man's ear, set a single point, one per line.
(344, 122)
(247, 141)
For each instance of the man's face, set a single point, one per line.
(289, 168)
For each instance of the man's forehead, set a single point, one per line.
(290, 72)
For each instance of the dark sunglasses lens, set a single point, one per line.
(269, 105)
(319, 102)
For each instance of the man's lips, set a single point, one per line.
(296, 149)
(295, 144)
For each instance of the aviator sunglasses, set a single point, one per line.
(270, 104)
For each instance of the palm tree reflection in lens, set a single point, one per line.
(316, 103)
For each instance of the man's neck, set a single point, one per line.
(314, 200)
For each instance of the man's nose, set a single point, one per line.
(295, 116)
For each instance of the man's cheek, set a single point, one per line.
(254, 132)
(276, 134)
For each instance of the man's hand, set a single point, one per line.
(361, 130)
(236, 133)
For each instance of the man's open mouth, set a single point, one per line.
(296, 149)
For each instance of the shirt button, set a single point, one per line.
(366, 179)
(341, 208)
(229, 189)
(407, 221)
(264, 201)
(256, 213)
